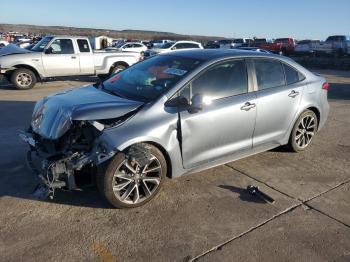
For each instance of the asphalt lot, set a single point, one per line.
(206, 216)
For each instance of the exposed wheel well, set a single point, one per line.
(317, 113)
(164, 152)
(29, 68)
(118, 63)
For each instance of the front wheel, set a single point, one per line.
(23, 78)
(303, 131)
(134, 178)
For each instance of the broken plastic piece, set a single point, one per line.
(254, 190)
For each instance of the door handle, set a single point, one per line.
(73, 57)
(247, 106)
(293, 94)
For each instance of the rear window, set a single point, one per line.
(269, 73)
(83, 46)
(292, 75)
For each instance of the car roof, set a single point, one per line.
(187, 41)
(213, 54)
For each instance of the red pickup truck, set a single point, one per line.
(282, 46)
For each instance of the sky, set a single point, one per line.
(301, 19)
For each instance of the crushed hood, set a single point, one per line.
(12, 49)
(53, 115)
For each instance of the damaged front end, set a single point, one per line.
(65, 137)
(59, 160)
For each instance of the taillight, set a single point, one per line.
(325, 86)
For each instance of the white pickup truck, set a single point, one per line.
(338, 45)
(60, 56)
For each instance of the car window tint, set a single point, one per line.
(223, 80)
(292, 75)
(62, 46)
(83, 46)
(269, 73)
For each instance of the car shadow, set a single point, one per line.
(244, 195)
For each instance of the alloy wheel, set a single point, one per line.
(133, 183)
(305, 131)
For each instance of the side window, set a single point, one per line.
(269, 73)
(62, 46)
(223, 80)
(83, 46)
(190, 45)
(179, 46)
(292, 75)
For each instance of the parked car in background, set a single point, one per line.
(281, 46)
(173, 46)
(158, 43)
(257, 42)
(128, 47)
(238, 42)
(336, 45)
(254, 49)
(174, 114)
(212, 45)
(226, 43)
(147, 44)
(24, 44)
(3, 43)
(60, 56)
(306, 47)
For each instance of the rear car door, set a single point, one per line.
(278, 97)
(61, 60)
(226, 122)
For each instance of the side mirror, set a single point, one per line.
(177, 101)
(49, 50)
(197, 103)
(173, 48)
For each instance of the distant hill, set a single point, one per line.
(128, 34)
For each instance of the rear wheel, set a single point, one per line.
(303, 131)
(134, 178)
(117, 68)
(23, 78)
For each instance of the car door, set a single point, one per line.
(278, 97)
(86, 58)
(226, 122)
(60, 59)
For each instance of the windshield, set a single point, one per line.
(148, 80)
(40, 46)
(166, 45)
(119, 44)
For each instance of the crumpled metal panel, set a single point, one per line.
(53, 115)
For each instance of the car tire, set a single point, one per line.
(23, 79)
(124, 188)
(303, 131)
(116, 69)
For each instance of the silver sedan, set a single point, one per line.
(175, 114)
